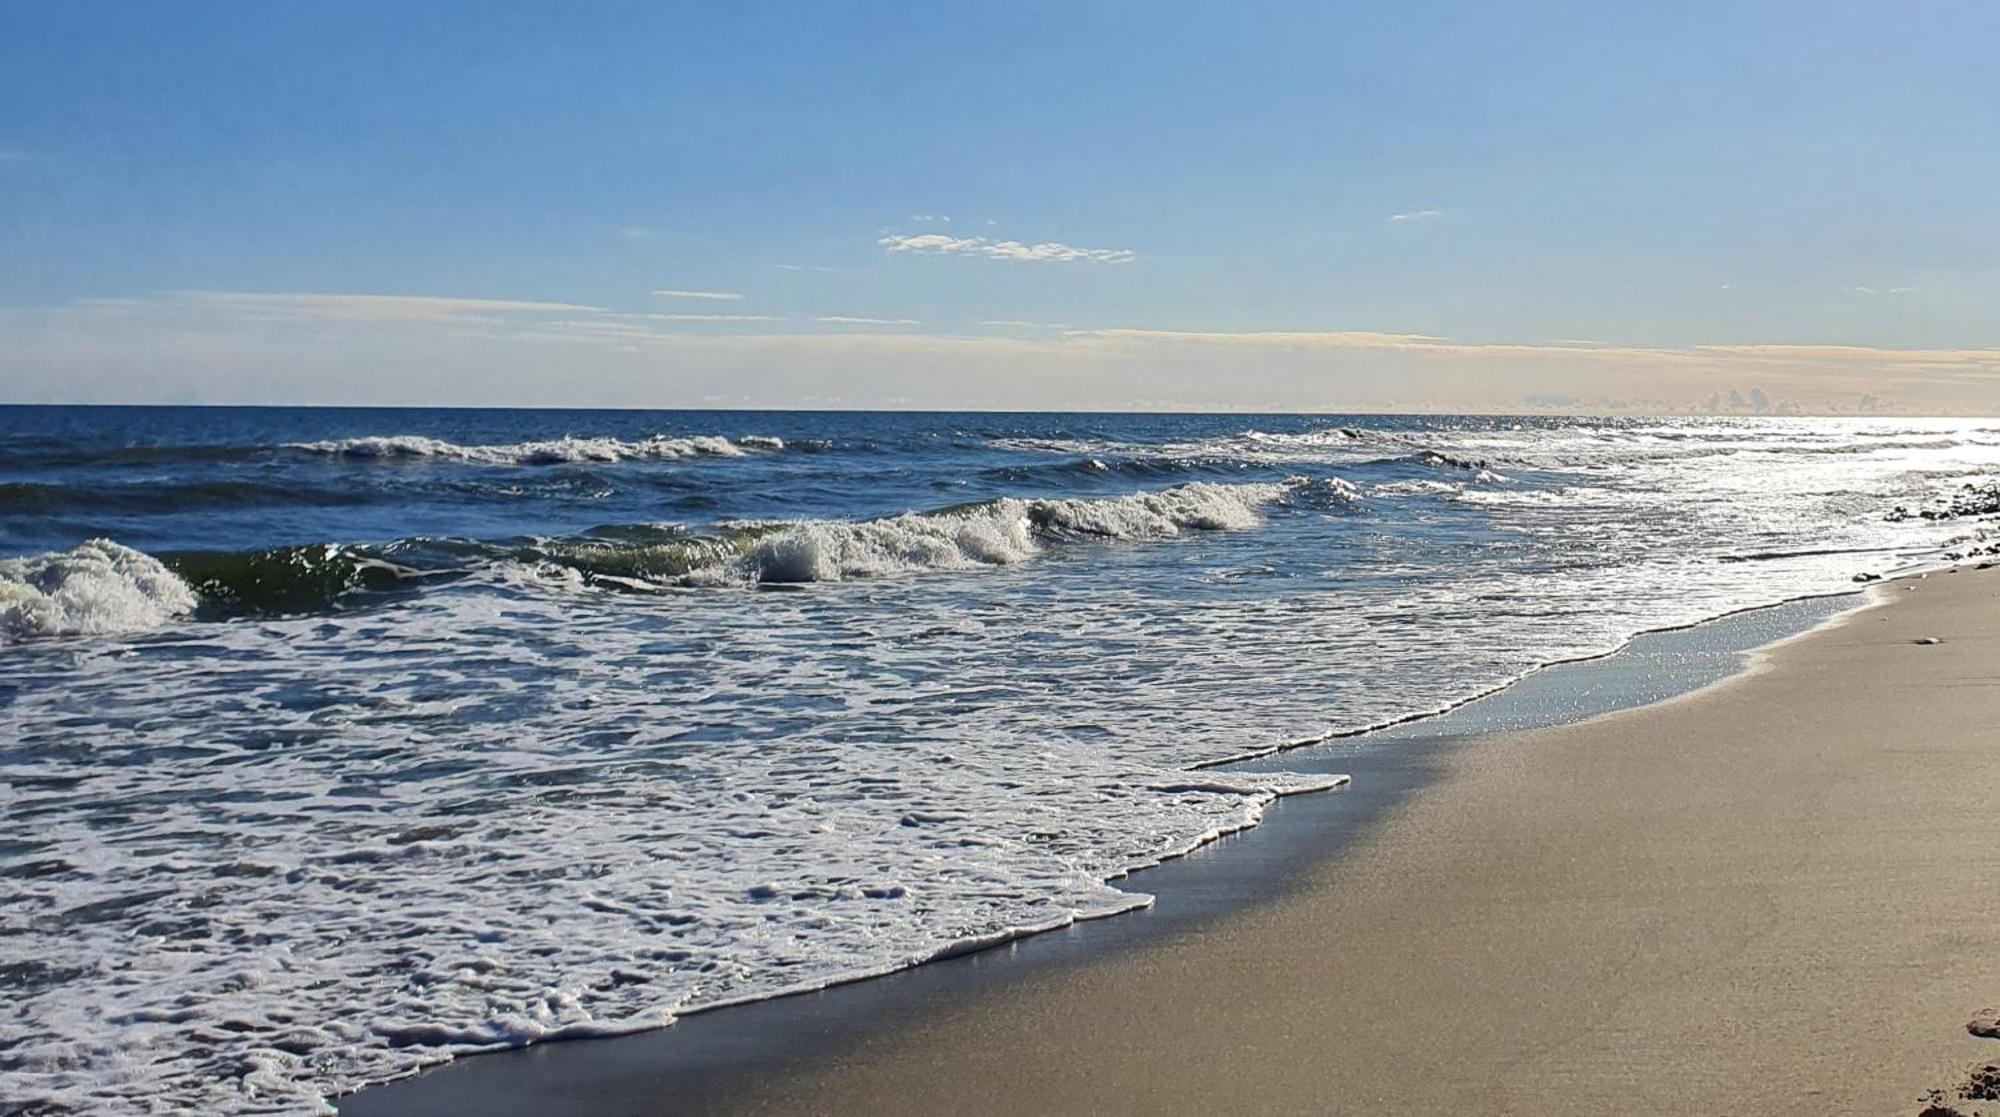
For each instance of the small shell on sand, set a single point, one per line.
(1928, 640)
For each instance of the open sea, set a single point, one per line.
(337, 742)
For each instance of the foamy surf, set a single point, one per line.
(332, 948)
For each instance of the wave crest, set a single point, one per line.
(997, 533)
(98, 587)
(988, 534)
(559, 451)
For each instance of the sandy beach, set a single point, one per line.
(1109, 558)
(1768, 896)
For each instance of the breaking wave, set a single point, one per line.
(993, 533)
(98, 587)
(103, 587)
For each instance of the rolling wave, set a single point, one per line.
(103, 587)
(559, 451)
(994, 533)
(987, 534)
(412, 447)
(286, 581)
(1138, 467)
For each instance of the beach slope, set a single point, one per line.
(1773, 895)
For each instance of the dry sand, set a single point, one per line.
(1777, 895)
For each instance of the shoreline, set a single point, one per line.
(704, 1060)
(1762, 896)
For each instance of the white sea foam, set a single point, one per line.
(94, 588)
(1419, 485)
(590, 872)
(1318, 439)
(557, 451)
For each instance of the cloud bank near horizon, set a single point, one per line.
(240, 347)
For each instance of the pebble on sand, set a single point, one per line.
(1985, 1023)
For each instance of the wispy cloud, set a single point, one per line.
(635, 233)
(931, 218)
(263, 347)
(1046, 252)
(805, 267)
(1982, 363)
(1417, 215)
(719, 296)
(1885, 290)
(12, 154)
(1288, 339)
(715, 317)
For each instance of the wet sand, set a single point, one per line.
(1773, 895)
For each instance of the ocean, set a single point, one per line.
(336, 742)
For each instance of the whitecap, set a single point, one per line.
(558, 451)
(97, 587)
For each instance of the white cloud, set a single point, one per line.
(1017, 324)
(715, 317)
(931, 218)
(1418, 215)
(1047, 252)
(721, 296)
(850, 320)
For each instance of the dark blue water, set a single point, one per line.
(177, 479)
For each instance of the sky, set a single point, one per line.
(1318, 206)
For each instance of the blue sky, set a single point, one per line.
(1193, 205)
